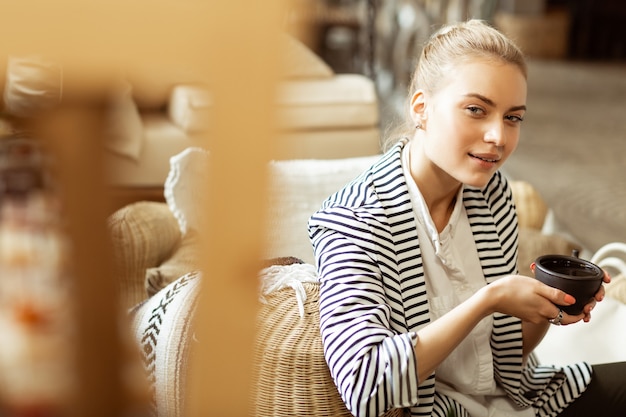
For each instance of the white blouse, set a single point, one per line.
(453, 273)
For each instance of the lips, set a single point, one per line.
(486, 157)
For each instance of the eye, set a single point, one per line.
(514, 118)
(475, 110)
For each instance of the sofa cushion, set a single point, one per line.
(189, 107)
(336, 143)
(161, 140)
(343, 101)
(322, 103)
(162, 326)
(32, 84)
(125, 128)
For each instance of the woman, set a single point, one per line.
(420, 303)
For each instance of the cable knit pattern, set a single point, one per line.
(143, 235)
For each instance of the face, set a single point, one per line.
(471, 125)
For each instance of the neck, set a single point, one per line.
(438, 189)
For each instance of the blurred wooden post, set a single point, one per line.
(236, 44)
(245, 64)
(74, 132)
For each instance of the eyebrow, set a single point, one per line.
(491, 103)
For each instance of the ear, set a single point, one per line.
(418, 107)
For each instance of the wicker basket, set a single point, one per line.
(291, 374)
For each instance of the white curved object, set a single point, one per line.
(611, 255)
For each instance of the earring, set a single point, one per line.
(418, 126)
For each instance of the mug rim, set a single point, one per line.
(597, 274)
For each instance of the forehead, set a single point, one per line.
(501, 81)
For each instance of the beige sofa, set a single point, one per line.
(157, 272)
(157, 113)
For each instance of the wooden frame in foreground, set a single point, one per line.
(233, 42)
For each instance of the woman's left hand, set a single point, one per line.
(599, 296)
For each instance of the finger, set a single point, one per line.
(570, 319)
(556, 319)
(607, 276)
(590, 306)
(599, 295)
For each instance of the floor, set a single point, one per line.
(573, 147)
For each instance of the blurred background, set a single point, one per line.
(574, 137)
(572, 150)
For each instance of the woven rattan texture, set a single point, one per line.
(291, 374)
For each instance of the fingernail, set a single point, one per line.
(569, 299)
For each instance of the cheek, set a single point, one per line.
(512, 142)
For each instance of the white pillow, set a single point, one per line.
(296, 190)
(184, 189)
(162, 327)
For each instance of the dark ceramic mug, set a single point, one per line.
(577, 277)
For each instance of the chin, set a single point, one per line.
(477, 181)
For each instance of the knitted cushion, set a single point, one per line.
(162, 327)
(291, 375)
(133, 229)
(183, 261)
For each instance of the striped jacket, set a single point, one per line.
(373, 297)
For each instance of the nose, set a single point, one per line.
(495, 133)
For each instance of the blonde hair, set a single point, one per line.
(452, 45)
